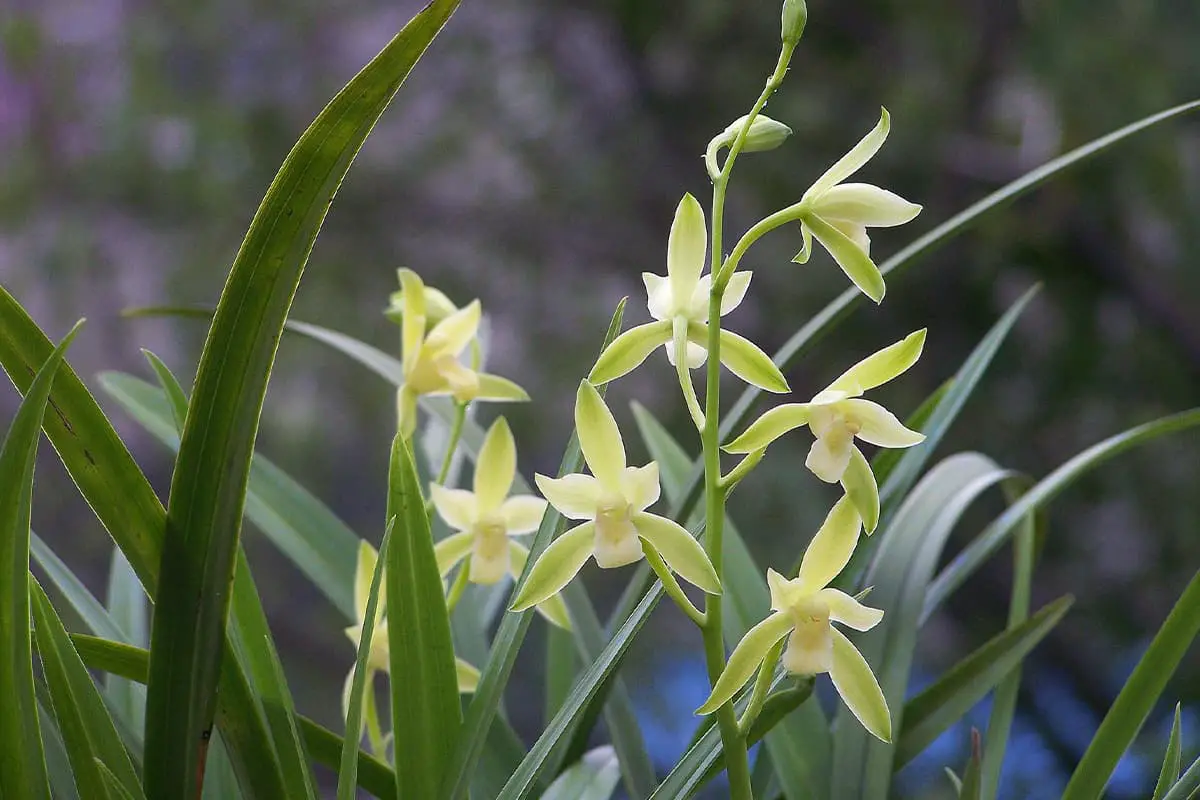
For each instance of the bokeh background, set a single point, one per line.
(534, 159)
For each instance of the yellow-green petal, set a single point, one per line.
(848, 611)
(864, 204)
(629, 350)
(784, 593)
(557, 565)
(743, 358)
(831, 546)
(853, 260)
(495, 467)
(495, 388)
(468, 676)
(364, 571)
(522, 513)
(455, 332)
(640, 486)
(735, 291)
(412, 327)
(406, 411)
(457, 507)
(881, 367)
(860, 154)
(854, 681)
(576, 496)
(683, 554)
(599, 437)
(686, 248)
(879, 426)
(451, 550)
(859, 482)
(745, 658)
(769, 427)
(805, 247)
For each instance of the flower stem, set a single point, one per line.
(460, 414)
(735, 475)
(762, 685)
(737, 762)
(671, 585)
(460, 583)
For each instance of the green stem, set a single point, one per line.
(671, 585)
(460, 583)
(679, 341)
(460, 414)
(762, 685)
(761, 228)
(735, 475)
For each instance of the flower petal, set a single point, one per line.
(830, 453)
(557, 565)
(783, 591)
(845, 609)
(493, 387)
(831, 546)
(412, 326)
(658, 295)
(450, 551)
(457, 507)
(857, 265)
(468, 676)
(364, 571)
(854, 681)
(554, 609)
(859, 482)
(806, 245)
(881, 367)
(745, 658)
(686, 248)
(640, 486)
(453, 334)
(744, 359)
(575, 496)
(495, 467)
(522, 513)
(599, 437)
(629, 350)
(406, 411)
(810, 647)
(879, 426)
(735, 291)
(864, 204)
(683, 554)
(860, 154)
(769, 427)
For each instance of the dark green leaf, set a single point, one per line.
(1169, 773)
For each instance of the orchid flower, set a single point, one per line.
(805, 608)
(838, 214)
(838, 415)
(613, 502)
(678, 303)
(431, 359)
(485, 521)
(379, 657)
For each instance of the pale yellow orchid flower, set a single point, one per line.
(432, 359)
(613, 502)
(678, 303)
(486, 518)
(838, 214)
(805, 608)
(837, 416)
(379, 656)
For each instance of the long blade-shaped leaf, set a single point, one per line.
(129, 609)
(1188, 784)
(932, 712)
(22, 763)
(593, 778)
(1168, 774)
(426, 714)
(88, 732)
(209, 484)
(1137, 697)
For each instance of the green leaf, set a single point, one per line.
(1169, 774)
(112, 786)
(593, 778)
(906, 558)
(971, 787)
(1188, 784)
(82, 601)
(1138, 696)
(129, 610)
(87, 729)
(994, 536)
(932, 712)
(348, 769)
(22, 763)
(58, 764)
(425, 706)
(209, 484)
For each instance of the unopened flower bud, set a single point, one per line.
(764, 134)
(795, 16)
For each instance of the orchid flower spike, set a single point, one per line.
(838, 214)
(431, 359)
(379, 657)
(485, 520)
(678, 303)
(838, 415)
(805, 607)
(613, 502)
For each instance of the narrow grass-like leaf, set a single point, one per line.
(1188, 785)
(971, 787)
(1169, 773)
(561, 669)
(348, 769)
(425, 706)
(994, 536)
(88, 732)
(114, 789)
(209, 484)
(129, 609)
(593, 778)
(932, 712)
(885, 459)
(58, 763)
(22, 763)
(907, 556)
(1137, 697)
(800, 745)
(81, 600)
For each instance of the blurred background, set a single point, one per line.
(534, 159)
